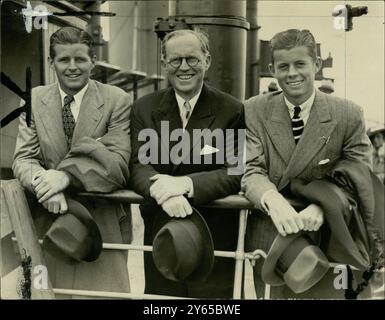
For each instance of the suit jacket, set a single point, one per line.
(214, 110)
(335, 130)
(43, 146)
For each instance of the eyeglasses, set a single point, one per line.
(177, 62)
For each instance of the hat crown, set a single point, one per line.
(74, 235)
(69, 235)
(296, 262)
(181, 248)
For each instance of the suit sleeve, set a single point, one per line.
(140, 173)
(357, 145)
(219, 183)
(120, 117)
(102, 166)
(255, 182)
(27, 157)
(99, 166)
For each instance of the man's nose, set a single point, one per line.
(292, 71)
(184, 65)
(72, 65)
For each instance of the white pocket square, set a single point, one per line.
(208, 150)
(324, 161)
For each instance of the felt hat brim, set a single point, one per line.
(82, 219)
(309, 256)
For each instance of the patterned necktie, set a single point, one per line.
(297, 124)
(187, 113)
(68, 119)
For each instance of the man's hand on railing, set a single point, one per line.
(165, 186)
(285, 218)
(49, 183)
(177, 206)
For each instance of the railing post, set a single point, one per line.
(15, 205)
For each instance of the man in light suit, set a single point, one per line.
(173, 187)
(78, 140)
(290, 134)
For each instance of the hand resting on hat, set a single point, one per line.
(177, 206)
(56, 204)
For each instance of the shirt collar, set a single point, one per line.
(193, 101)
(306, 106)
(77, 97)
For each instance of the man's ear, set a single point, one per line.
(271, 68)
(208, 61)
(93, 60)
(50, 62)
(318, 64)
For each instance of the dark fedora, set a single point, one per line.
(293, 260)
(183, 249)
(74, 234)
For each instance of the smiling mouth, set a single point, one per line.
(294, 84)
(72, 76)
(185, 76)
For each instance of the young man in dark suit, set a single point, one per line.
(289, 133)
(78, 140)
(175, 183)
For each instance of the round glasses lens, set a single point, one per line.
(176, 62)
(192, 62)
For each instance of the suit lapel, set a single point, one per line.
(50, 111)
(315, 135)
(201, 118)
(278, 127)
(168, 112)
(90, 113)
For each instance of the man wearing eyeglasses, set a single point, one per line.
(173, 186)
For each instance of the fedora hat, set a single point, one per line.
(293, 260)
(183, 249)
(74, 234)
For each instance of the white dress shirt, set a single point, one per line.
(78, 98)
(305, 108)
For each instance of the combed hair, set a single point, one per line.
(201, 36)
(70, 35)
(293, 38)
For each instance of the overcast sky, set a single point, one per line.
(358, 55)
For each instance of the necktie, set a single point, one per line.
(187, 113)
(68, 119)
(297, 124)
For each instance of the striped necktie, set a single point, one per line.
(297, 124)
(68, 119)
